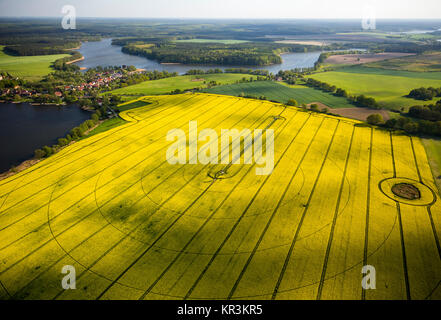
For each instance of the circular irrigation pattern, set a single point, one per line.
(426, 197)
(407, 191)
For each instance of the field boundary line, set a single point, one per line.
(204, 224)
(368, 208)
(429, 212)
(93, 211)
(334, 220)
(400, 225)
(189, 292)
(429, 207)
(78, 170)
(176, 171)
(236, 284)
(128, 235)
(4, 288)
(299, 226)
(153, 243)
(98, 173)
(59, 259)
(58, 157)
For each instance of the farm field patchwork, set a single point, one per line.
(136, 227)
(388, 87)
(282, 93)
(167, 85)
(31, 67)
(353, 59)
(428, 62)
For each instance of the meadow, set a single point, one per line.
(388, 87)
(137, 227)
(282, 93)
(433, 150)
(167, 85)
(31, 67)
(428, 62)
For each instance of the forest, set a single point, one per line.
(244, 54)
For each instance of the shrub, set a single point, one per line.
(48, 151)
(411, 127)
(63, 142)
(95, 117)
(375, 119)
(39, 154)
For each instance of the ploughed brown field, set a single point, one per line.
(351, 59)
(360, 113)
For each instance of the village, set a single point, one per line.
(16, 90)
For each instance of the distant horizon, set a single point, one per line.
(228, 9)
(223, 19)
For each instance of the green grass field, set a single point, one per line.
(105, 125)
(167, 85)
(31, 68)
(429, 62)
(388, 87)
(282, 93)
(135, 226)
(433, 149)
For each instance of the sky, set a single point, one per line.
(233, 9)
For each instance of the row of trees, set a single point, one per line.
(415, 127)
(364, 102)
(359, 101)
(229, 70)
(78, 132)
(430, 112)
(425, 94)
(320, 85)
(429, 120)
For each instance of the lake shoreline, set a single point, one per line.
(103, 53)
(25, 127)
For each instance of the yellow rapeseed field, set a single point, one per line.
(137, 227)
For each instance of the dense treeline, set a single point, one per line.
(359, 101)
(320, 85)
(62, 64)
(40, 48)
(246, 54)
(187, 54)
(425, 93)
(364, 102)
(428, 120)
(265, 73)
(430, 112)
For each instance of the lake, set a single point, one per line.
(25, 128)
(103, 53)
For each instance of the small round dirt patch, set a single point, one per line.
(406, 191)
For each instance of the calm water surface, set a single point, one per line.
(24, 128)
(103, 53)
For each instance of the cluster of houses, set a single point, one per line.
(99, 80)
(17, 90)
